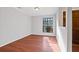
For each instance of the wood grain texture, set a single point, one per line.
(75, 26)
(75, 47)
(32, 43)
(75, 29)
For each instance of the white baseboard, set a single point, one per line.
(43, 34)
(14, 40)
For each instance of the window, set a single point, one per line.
(48, 24)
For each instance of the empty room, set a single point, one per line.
(35, 29)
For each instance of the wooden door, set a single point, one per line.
(75, 26)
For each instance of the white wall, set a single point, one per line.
(61, 32)
(13, 25)
(61, 15)
(69, 29)
(64, 34)
(37, 26)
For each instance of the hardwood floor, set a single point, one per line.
(32, 43)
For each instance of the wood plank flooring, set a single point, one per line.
(33, 43)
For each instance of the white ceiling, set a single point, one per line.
(30, 11)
